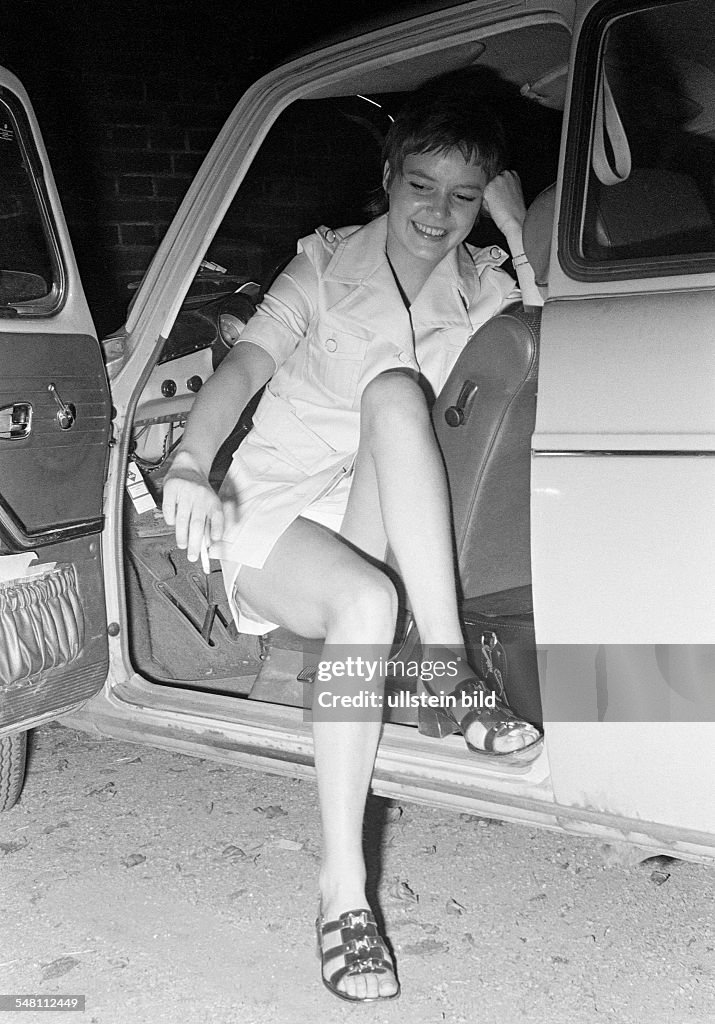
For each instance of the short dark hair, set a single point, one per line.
(442, 116)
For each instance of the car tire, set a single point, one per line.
(13, 751)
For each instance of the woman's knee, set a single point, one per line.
(393, 398)
(369, 600)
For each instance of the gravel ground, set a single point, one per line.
(168, 889)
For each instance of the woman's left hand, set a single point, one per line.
(504, 202)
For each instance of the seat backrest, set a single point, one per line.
(484, 418)
(654, 212)
(487, 455)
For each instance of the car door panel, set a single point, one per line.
(55, 414)
(51, 480)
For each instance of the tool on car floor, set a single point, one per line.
(182, 589)
(214, 593)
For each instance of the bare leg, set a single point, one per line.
(362, 523)
(317, 586)
(400, 493)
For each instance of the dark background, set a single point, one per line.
(130, 95)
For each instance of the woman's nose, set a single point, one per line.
(440, 205)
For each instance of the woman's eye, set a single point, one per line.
(418, 186)
(467, 199)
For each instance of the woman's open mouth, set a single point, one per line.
(429, 232)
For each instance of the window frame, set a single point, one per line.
(46, 305)
(577, 164)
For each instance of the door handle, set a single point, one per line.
(15, 421)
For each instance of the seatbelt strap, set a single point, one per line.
(609, 128)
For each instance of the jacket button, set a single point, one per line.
(331, 345)
(495, 252)
(403, 357)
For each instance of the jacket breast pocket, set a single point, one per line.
(279, 436)
(336, 358)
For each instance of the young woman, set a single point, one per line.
(342, 461)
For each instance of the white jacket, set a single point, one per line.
(332, 321)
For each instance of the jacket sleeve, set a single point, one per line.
(282, 319)
(509, 288)
(488, 262)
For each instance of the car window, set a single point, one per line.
(321, 164)
(647, 204)
(29, 270)
(318, 165)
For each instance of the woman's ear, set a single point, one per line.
(386, 177)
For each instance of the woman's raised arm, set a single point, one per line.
(504, 202)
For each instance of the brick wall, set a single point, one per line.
(153, 135)
(126, 158)
(139, 140)
(147, 140)
(129, 98)
(135, 144)
(316, 166)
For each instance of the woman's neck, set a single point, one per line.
(411, 275)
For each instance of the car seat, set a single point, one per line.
(483, 419)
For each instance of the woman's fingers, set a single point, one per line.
(193, 508)
(196, 533)
(216, 523)
(204, 523)
(168, 504)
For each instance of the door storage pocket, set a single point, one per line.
(41, 624)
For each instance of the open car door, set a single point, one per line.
(54, 429)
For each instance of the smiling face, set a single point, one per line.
(433, 206)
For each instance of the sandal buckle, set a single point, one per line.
(361, 945)
(355, 920)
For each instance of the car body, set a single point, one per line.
(621, 465)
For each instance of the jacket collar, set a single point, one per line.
(362, 254)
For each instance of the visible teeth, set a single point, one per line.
(435, 232)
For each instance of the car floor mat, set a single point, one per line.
(181, 625)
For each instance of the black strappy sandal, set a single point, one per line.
(479, 709)
(362, 950)
(490, 724)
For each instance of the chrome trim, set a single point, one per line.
(16, 421)
(626, 452)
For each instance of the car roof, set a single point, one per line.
(403, 11)
(524, 41)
